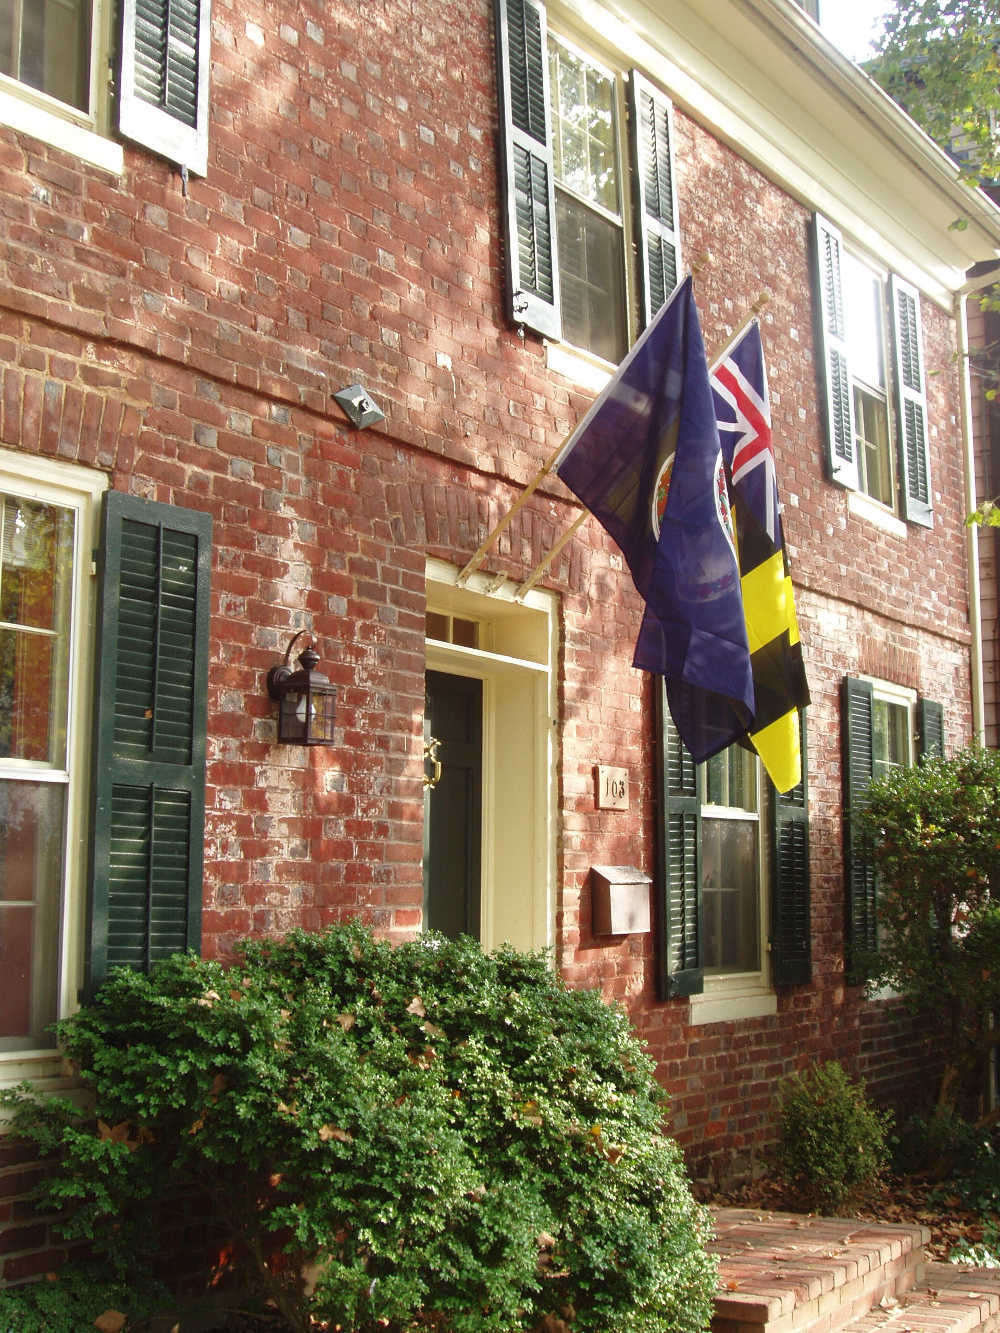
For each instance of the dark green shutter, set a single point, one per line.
(861, 925)
(149, 771)
(678, 862)
(911, 404)
(164, 77)
(526, 178)
(791, 949)
(841, 458)
(657, 233)
(931, 723)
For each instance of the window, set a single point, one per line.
(52, 53)
(884, 727)
(571, 185)
(733, 873)
(132, 783)
(46, 525)
(590, 232)
(876, 412)
(46, 45)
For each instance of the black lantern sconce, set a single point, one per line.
(307, 702)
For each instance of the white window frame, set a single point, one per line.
(84, 134)
(734, 995)
(79, 489)
(884, 393)
(560, 36)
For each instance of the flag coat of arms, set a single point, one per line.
(739, 383)
(646, 460)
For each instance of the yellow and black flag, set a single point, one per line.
(739, 383)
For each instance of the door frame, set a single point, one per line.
(516, 663)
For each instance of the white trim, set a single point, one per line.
(863, 506)
(26, 114)
(712, 1007)
(519, 774)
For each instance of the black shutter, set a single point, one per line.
(841, 458)
(859, 874)
(911, 403)
(931, 723)
(164, 78)
(526, 176)
(149, 767)
(657, 233)
(678, 862)
(791, 949)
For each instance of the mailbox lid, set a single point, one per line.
(620, 900)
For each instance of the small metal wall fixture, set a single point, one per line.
(307, 702)
(360, 407)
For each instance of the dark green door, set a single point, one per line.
(453, 774)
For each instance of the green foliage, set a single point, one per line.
(933, 832)
(938, 60)
(832, 1139)
(72, 1300)
(421, 1136)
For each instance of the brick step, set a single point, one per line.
(951, 1299)
(780, 1272)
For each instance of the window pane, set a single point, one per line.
(890, 737)
(592, 274)
(36, 554)
(31, 830)
(863, 314)
(730, 895)
(871, 416)
(583, 128)
(46, 44)
(731, 779)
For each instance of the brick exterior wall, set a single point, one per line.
(348, 229)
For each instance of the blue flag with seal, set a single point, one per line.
(647, 462)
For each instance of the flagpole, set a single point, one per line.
(544, 563)
(480, 553)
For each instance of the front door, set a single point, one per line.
(453, 795)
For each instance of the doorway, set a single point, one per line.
(453, 801)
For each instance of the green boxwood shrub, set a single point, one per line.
(419, 1137)
(832, 1139)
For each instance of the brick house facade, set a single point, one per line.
(177, 336)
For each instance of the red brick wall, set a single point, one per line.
(348, 230)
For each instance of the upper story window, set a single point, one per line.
(53, 51)
(590, 229)
(875, 406)
(46, 45)
(580, 196)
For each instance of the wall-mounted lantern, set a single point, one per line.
(307, 701)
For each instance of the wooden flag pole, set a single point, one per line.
(544, 563)
(480, 553)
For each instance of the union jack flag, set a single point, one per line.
(740, 387)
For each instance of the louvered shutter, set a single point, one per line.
(791, 945)
(149, 774)
(911, 403)
(164, 78)
(526, 179)
(841, 456)
(931, 722)
(858, 739)
(657, 230)
(678, 863)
